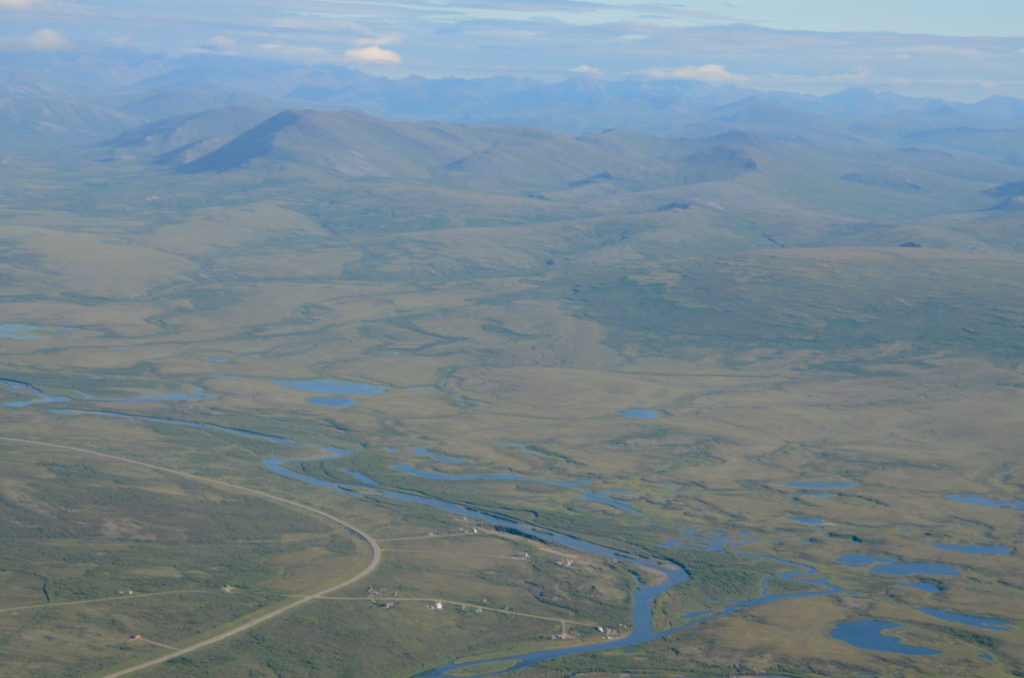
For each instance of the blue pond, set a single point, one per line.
(331, 387)
(805, 521)
(906, 569)
(821, 486)
(891, 567)
(218, 360)
(640, 414)
(332, 402)
(857, 560)
(976, 500)
(922, 586)
(977, 622)
(977, 550)
(867, 635)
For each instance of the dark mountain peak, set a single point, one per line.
(185, 129)
(250, 145)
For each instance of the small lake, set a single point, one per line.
(890, 566)
(857, 560)
(921, 586)
(977, 500)
(331, 401)
(329, 387)
(977, 550)
(821, 486)
(805, 521)
(867, 635)
(640, 414)
(977, 622)
(908, 569)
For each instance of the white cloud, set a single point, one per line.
(707, 73)
(220, 42)
(48, 40)
(45, 40)
(373, 55)
(15, 4)
(859, 75)
(988, 84)
(589, 70)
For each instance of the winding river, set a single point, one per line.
(643, 596)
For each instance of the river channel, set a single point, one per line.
(643, 596)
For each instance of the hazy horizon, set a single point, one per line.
(954, 52)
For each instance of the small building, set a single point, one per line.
(136, 637)
(436, 606)
(565, 562)
(521, 555)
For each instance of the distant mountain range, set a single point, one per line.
(443, 199)
(54, 101)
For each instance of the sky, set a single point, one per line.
(949, 48)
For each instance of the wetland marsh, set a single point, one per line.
(586, 414)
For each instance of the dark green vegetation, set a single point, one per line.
(94, 554)
(507, 285)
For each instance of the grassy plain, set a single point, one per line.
(897, 369)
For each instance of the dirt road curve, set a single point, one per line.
(247, 625)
